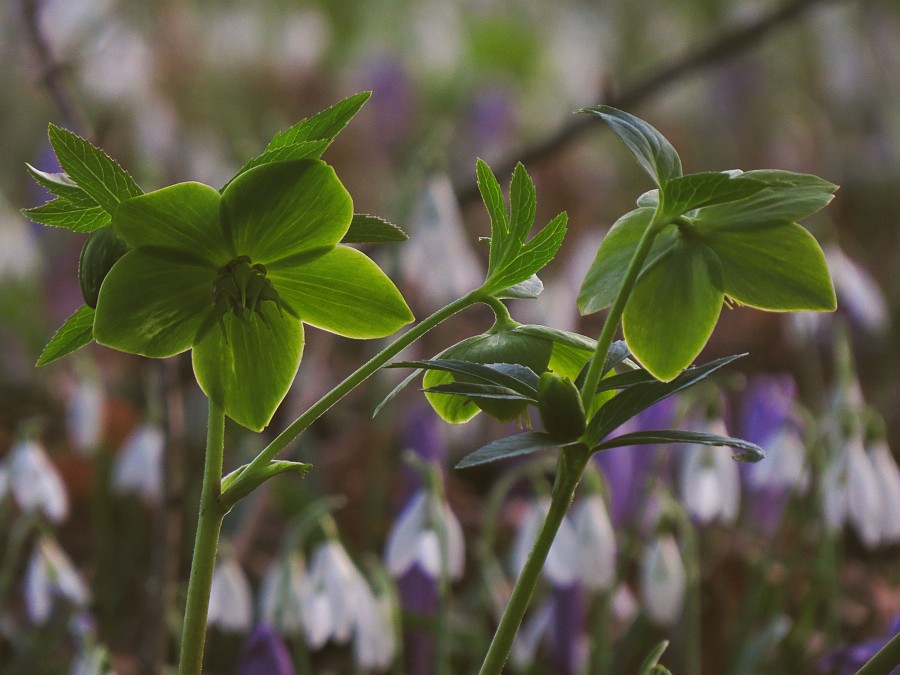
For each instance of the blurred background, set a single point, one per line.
(190, 91)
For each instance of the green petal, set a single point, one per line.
(673, 309)
(781, 269)
(248, 368)
(278, 210)
(182, 218)
(343, 292)
(452, 409)
(151, 307)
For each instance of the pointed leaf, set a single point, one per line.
(518, 378)
(512, 446)
(522, 204)
(768, 208)
(92, 169)
(604, 278)
(366, 229)
(649, 665)
(249, 367)
(633, 400)
(533, 256)
(697, 190)
(344, 292)
(778, 178)
(301, 150)
(276, 467)
(75, 333)
(649, 147)
(745, 451)
(323, 126)
(492, 196)
(63, 186)
(781, 269)
(283, 209)
(62, 213)
(673, 309)
(477, 390)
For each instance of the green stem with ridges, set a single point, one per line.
(206, 542)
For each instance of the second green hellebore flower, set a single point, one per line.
(234, 275)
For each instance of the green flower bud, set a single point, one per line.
(562, 411)
(503, 346)
(100, 252)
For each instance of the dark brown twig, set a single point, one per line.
(728, 45)
(51, 71)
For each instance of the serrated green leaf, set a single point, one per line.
(492, 196)
(649, 147)
(63, 186)
(75, 333)
(745, 451)
(522, 205)
(633, 400)
(532, 257)
(604, 278)
(780, 269)
(92, 169)
(62, 213)
(698, 190)
(673, 308)
(325, 125)
(366, 229)
(512, 446)
(301, 150)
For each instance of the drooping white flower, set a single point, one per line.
(596, 543)
(36, 484)
(137, 468)
(663, 580)
(51, 574)
(416, 538)
(888, 475)
(560, 567)
(851, 493)
(282, 593)
(624, 604)
(230, 599)
(333, 595)
(374, 643)
(85, 415)
(709, 481)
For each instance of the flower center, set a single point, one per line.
(241, 286)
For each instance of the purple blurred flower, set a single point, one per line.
(392, 105)
(265, 654)
(850, 658)
(567, 637)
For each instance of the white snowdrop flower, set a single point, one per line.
(230, 599)
(51, 574)
(710, 481)
(851, 492)
(373, 637)
(663, 580)
(137, 468)
(416, 538)
(785, 462)
(85, 415)
(281, 595)
(36, 484)
(19, 253)
(858, 292)
(333, 595)
(624, 604)
(596, 543)
(535, 627)
(560, 567)
(889, 482)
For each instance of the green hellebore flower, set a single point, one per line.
(233, 276)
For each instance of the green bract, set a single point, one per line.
(232, 275)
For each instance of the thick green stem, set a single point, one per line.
(193, 632)
(595, 370)
(251, 473)
(570, 467)
(887, 658)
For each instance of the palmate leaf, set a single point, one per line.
(75, 333)
(512, 446)
(533, 256)
(633, 400)
(366, 229)
(649, 147)
(92, 169)
(744, 451)
(62, 213)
